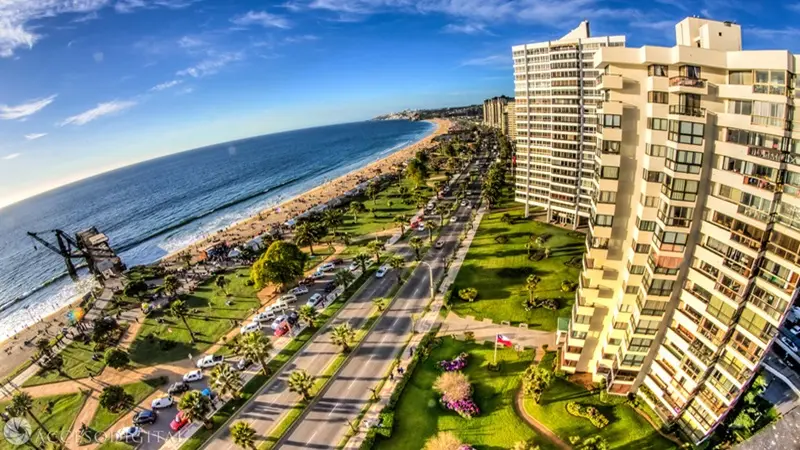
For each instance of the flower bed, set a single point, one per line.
(465, 408)
(587, 412)
(455, 364)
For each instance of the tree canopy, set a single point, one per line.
(281, 264)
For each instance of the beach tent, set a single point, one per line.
(254, 244)
(235, 253)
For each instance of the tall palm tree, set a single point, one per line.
(43, 345)
(21, 404)
(226, 380)
(416, 243)
(355, 209)
(196, 406)
(375, 247)
(343, 277)
(362, 259)
(244, 435)
(308, 314)
(180, 310)
(256, 346)
(171, 285)
(397, 263)
(343, 335)
(300, 382)
(304, 234)
(441, 210)
(530, 285)
(333, 218)
(221, 282)
(372, 193)
(401, 220)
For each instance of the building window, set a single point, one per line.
(636, 270)
(658, 97)
(639, 345)
(689, 72)
(670, 241)
(611, 147)
(680, 189)
(578, 335)
(652, 177)
(657, 70)
(632, 290)
(612, 120)
(632, 360)
(650, 201)
(686, 132)
(645, 225)
(607, 197)
(601, 220)
(770, 82)
(684, 161)
(641, 248)
(740, 77)
(743, 107)
(656, 150)
(609, 172)
(647, 327)
(655, 123)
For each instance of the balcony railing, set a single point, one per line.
(761, 183)
(686, 110)
(688, 82)
(788, 255)
(753, 213)
(770, 154)
(674, 221)
(776, 280)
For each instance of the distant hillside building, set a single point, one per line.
(496, 113)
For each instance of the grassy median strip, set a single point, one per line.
(256, 383)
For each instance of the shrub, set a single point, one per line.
(495, 367)
(587, 412)
(502, 239)
(469, 336)
(468, 294)
(454, 386)
(546, 303)
(458, 363)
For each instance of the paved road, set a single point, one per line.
(325, 423)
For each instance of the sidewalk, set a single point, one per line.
(485, 331)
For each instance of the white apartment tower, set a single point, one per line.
(693, 251)
(556, 97)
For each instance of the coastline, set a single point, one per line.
(15, 353)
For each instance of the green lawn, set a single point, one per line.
(498, 271)
(56, 414)
(103, 418)
(419, 416)
(77, 364)
(626, 428)
(210, 319)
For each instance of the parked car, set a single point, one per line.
(243, 364)
(144, 417)
(162, 402)
(439, 244)
(129, 433)
(464, 203)
(195, 375)
(337, 261)
(421, 227)
(209, 361)
(795, 330)
(300, 290)
(328, 266)
(250, 328)
(788, 342)
(330, 286)
(179, 387)
(278, 321)
(292, 317)
(265, 316)
(178, 422)
(353, 266)
(288, 298)
(382, 271)
(314, 300)
(282, 330)
(453, 219)
(317, 275)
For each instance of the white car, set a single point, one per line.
(128, 433)
(265, 316)
(453, 219)
(382, 271)
(278, 321)
(288, 298)
(353, 266)
(328, 266)
(317, 275)
(787, 342)
(421, 227)
(162, 402)
(299, 290)
(209, 361)
(250, 327)
(195, 375)
(314, 299)
(795, 330)
(464, 203)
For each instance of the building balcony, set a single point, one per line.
(688, 85)
(609, 81)
(761, 183)
(686, 110)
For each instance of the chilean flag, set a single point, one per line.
(504, 341)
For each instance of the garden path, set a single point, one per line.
(538, 426)
(486, 331)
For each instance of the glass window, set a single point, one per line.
(645, 225)
(656, 150)
(744, 107)
(636, 270)
(611, 147)
(655, 123)
(686, 132)
(740, 77)
(607, 197)
(680, 189)
(603, 220)
(612, 120)
(684, 161)
(650, 201)
(658, 97)
(609, 172)
(657, 70)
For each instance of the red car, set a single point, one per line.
(178, 422)
(282, 329)
(337, 261)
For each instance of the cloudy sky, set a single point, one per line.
(91, 85)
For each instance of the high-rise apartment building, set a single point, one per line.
(556, 97)
(511, 121)
(496, 112)
(693, 251)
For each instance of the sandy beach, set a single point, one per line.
(13, 352)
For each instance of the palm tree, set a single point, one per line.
(186, 258)
(375, 248)
(304, 234)
(530, 285)
(171, 285)
(196, 406)
(441, 210)
(362, 259)
(343, 335)
(380, 303)
(244, 435)
(226, 380)
(179, 309)
(343, 277)
(417, 244)
(43, 345)
(397, 263)
(300, 382)
(21, 404)
(308, 314)
(256, 347)
(372, 193)
(221, 282)
(401, 220)
(333, 219)
(355, 209)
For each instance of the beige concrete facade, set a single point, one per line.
(693, 252)
(495, 112)
(556, 97)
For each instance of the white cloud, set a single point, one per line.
(467, 28)
(491, 60)
(166, 85)
(26, 109)
(128, 6)
(12, 156)
(210, 66)
(185, 91)
(190, 42)
(262, 18)
(98, 57)
(87, 17)
(34, 136)
(301, 38)
(102, 109)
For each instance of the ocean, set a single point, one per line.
(156, 207)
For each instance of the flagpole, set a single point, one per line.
(495, 349)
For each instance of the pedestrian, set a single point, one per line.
(391, 376)
(400, 370)
(411, 351)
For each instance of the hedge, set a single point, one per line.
(587, 412)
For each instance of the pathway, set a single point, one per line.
(536, 425)
(486, 331)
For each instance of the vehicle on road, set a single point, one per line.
(421, 227)
(162, 402)
(317, 275)
(250, 328)
(282, 329)
(243, 364)
(145, 417)
(795, 330)
(278, 321)
(178, 422)
(265, 316)
(128, 433)
(314, 300)
(353, 266)
(209, 361)
(195, 375)
(328, 266)
(299, 290)
(439, 244)
(179, 387)
(788, 342)
(453, 219)
(329, 287)
(288, 298)
(292, 317)
(337, 261)
(382, 271)
(464, 203)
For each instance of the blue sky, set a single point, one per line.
(91, 85)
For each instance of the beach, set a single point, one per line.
(15, 353)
